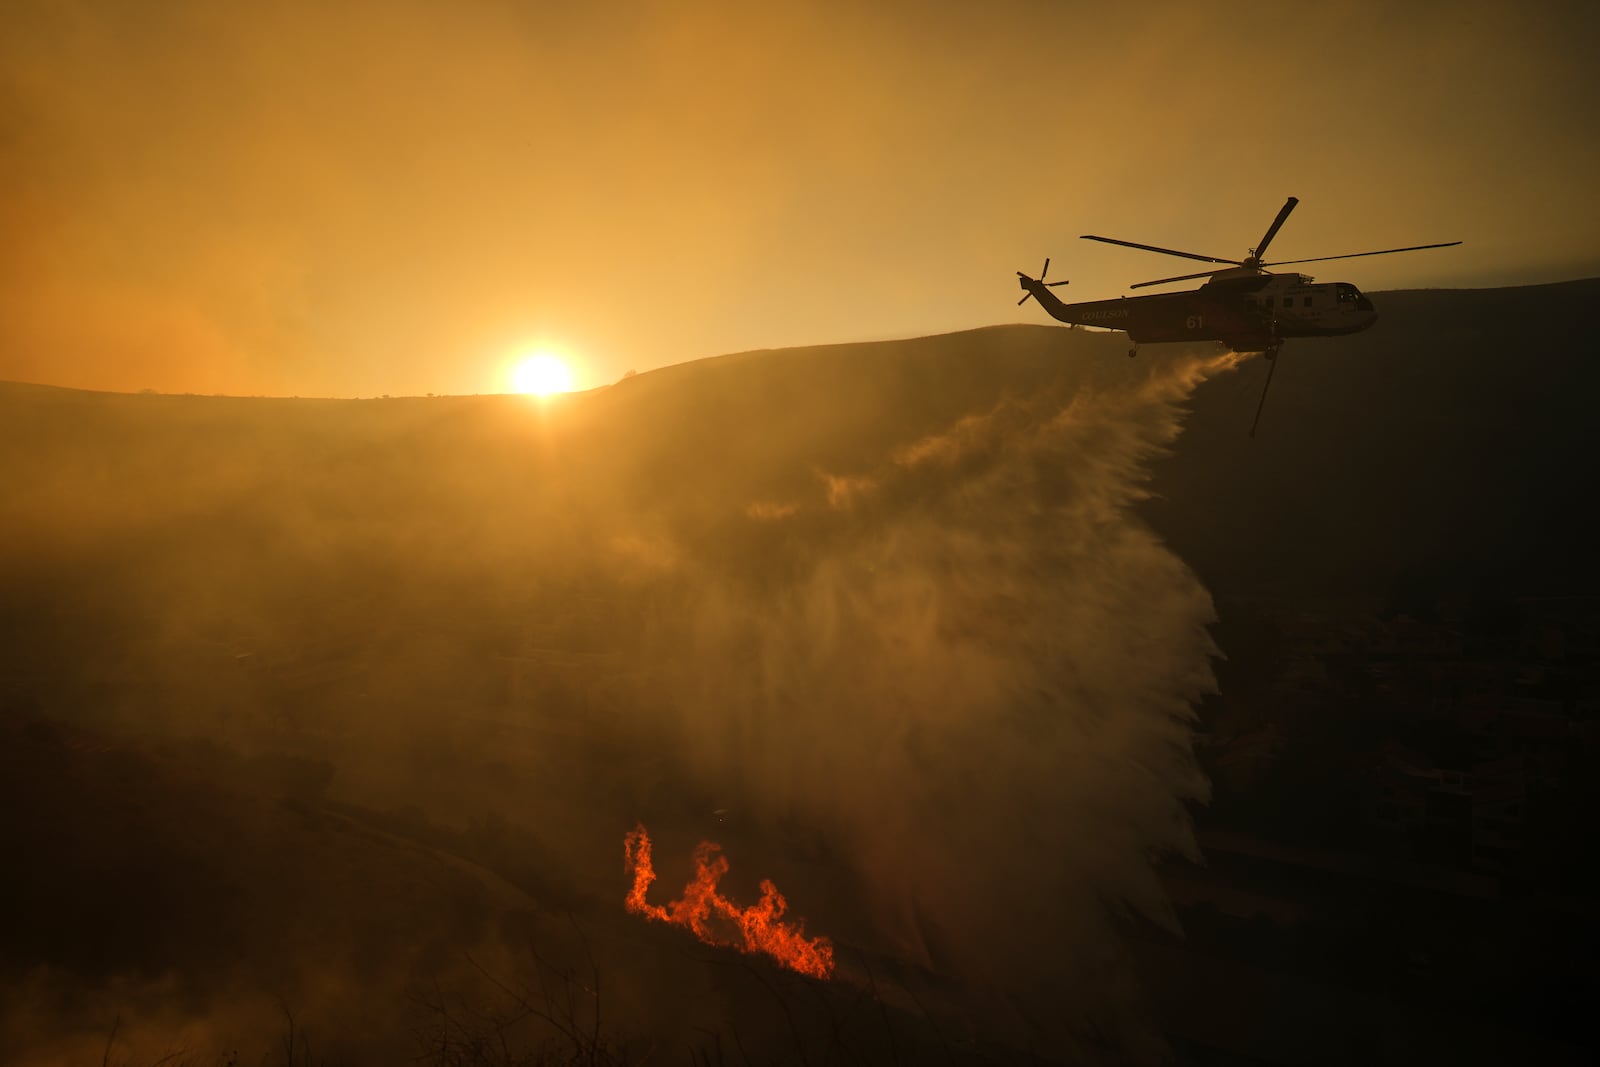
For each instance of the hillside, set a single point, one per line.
(279, 674)
(1451, 443)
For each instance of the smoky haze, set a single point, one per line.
(398, 198)
(885, 609)
(980, 674)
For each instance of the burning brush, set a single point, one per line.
(716, 920)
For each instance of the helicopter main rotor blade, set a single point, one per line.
(1357, 255)
(1156, 248)
(1272, 231)
(1179, 278)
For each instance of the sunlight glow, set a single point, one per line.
(541, 374)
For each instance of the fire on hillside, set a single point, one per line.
(716, 920)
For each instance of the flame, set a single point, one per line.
(715, 919)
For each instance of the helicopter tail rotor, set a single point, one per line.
(1036, 282)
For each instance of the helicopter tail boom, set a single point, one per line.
(1039, 289)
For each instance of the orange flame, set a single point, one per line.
(716, 920)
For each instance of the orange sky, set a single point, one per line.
(395, 197)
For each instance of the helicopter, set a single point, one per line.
(1242, 305)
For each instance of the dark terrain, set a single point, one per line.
(330, 715)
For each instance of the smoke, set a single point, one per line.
(891, 605)
(979, 676)
(54, 1020)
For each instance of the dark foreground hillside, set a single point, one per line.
(1452, 441)
(337, 711)
(1403, 750)
(326, 705)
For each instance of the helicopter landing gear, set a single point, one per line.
(1272, 351)
(1134, 351)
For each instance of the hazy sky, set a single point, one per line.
(359, 198)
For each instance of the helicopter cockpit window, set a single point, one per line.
(1348, 294)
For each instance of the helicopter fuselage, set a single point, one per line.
(1248, 312)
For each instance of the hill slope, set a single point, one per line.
(884, 608)
(1452, 442)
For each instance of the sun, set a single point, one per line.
(541, 374)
